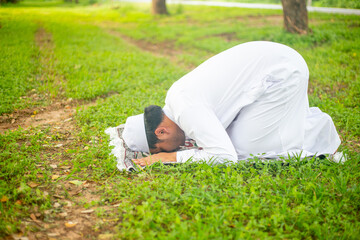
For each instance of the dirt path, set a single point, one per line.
(68, 218)
(165, 49)
(39, 116)
(57, 109)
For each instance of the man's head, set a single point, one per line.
(162, 134)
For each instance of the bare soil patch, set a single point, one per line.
(161, 49)
(27, 118)
(59, 110)
(59, 113)
(68, 219)
(43, 39)
(75, 204)
(229, 37)
(260, 21)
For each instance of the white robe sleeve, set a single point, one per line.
(201, 124)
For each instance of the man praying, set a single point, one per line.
(250, 100)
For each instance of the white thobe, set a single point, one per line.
(249, 100)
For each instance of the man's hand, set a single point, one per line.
(163, 156)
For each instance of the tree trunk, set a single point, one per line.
(159, 7)
(295, 16)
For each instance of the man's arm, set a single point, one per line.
(163, 157)
(201, 124)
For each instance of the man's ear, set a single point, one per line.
(160, 132)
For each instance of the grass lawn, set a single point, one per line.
(67, 72)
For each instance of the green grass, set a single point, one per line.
(18, 61)
(87, 60)
(239, 202)
(22, 156)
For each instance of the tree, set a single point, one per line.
(76, 1)
(159, 7)
(295, 16)
(8, 1)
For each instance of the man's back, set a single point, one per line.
(234, 78)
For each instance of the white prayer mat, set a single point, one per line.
(123, 153)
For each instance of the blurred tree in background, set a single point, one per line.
(295, 16)
(75, 1)
(8, 1)
(159, 7)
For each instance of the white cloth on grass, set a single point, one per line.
(124, 155)
(249, 100)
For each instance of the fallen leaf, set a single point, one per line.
(53, 166)
(18, 202)
(76, 192)
(73, 235)
(65, 167)
(106, 236)
(54, 177)
(76, 182)
(87, 211)
(4, 199)
(19, 237)
(53, 234)
(57, 196)
(32, 184)
(111, 220)
(56, 205)
(58, 145)
(63, 214)
(70, 224)
(33, 217)
(68, 204)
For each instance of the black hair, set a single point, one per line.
(153, 116)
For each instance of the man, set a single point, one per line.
(248, 100)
